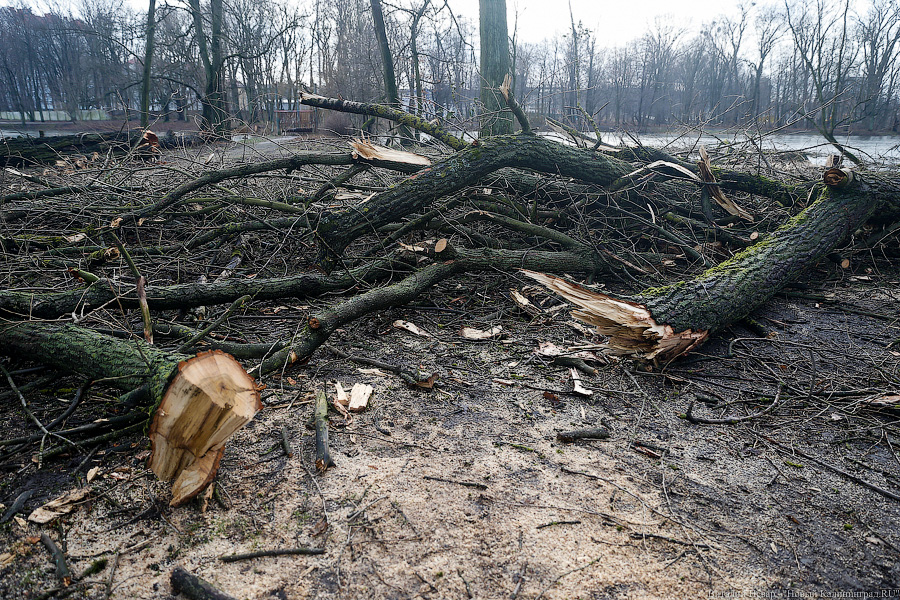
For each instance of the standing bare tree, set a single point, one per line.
(148, 59)
(214, 100)
(879, 34)
(828, 60)
(494, 66)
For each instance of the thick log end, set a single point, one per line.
(631, 329)
(209, 398)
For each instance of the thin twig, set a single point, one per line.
(277, 552)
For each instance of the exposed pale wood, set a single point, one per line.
(630, 327)
(210, 397)
(359, 397)
(576, 380)
(341, 395)
(715, 192)
(369, 151)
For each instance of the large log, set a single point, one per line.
(17, 152)
(198, 402)
(666, 322)
(336, 230)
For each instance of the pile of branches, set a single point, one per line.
(124, 272)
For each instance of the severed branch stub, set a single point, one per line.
(210, 397)
(505, 89)
(323, 456)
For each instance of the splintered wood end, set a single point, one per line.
(631, 329)
(369, 151)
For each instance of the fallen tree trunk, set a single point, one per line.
(197, 402)
(18, 152)
(190, 295)
(666, 322)
(337, 230)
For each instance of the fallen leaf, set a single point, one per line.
(92, 473)
(427, 383)
(476, 334)
(320, 528)
(548, 349)
(504, 381)
(58, 507)
(410, 327)
(20, 521)
(6, 558)
(889, 401)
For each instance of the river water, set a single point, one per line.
(870, 148)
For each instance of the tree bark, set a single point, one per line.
(667, 322)
(387, 65)
(197, 402)
(21, 152)
(494, 42)
(336, 230)
(148, 60)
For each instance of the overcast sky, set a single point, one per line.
(615, 21)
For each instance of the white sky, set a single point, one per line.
(615, 21)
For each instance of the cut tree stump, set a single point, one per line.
(210, 397)
(197, 402)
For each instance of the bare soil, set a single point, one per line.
(464, 491)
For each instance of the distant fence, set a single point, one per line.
(57, 115)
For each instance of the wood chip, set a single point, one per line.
(579, 389)
(477, 334)
(524, 303)
(359, 397)
(341, 397)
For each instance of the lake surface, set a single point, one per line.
(873, 148)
